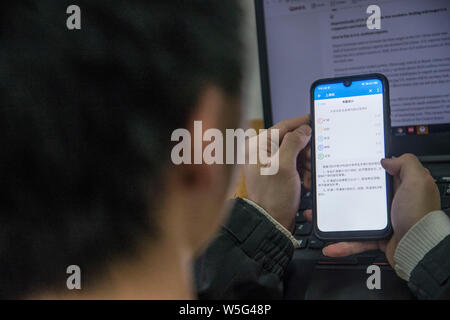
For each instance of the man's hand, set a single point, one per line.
(279, 194)
(416, 195)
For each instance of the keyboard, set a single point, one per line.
(310, 247)
(311, 275)
(443, 184)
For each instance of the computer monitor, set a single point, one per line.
(301, 41)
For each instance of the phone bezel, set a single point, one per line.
(363, 234)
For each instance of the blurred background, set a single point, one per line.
(252, 88)
(252, 98)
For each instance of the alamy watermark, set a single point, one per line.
(374, 280)
(374, 20)
(241, 147)
(73, 281)
(73, 22)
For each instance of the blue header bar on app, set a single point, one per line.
(339, 90)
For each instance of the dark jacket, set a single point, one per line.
(249, 257)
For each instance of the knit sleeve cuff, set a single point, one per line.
(419, 240)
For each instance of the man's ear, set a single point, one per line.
(208, 114)
(195, 193)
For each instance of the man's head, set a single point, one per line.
(86, 119)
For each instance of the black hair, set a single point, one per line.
(85, 123)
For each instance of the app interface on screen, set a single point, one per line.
(349, 144)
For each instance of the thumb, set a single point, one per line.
(404, 166)
(294, 142)
(392, 166)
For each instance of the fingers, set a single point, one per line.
(406, 165)
(344, 249)
(304, 161)
(308, 215)
(304, 167)
(291, 124)
(307, 179)
(308, 158)
(293, 142)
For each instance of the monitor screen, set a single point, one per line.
(315, 39)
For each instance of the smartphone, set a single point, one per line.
(351, 191)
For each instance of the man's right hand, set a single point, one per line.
(416, 195)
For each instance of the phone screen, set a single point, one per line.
(350, 183)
